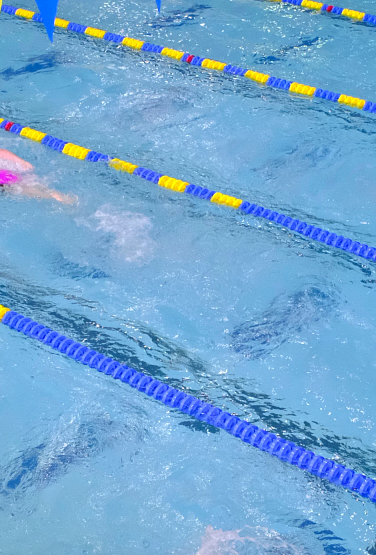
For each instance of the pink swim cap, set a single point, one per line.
(7, 178)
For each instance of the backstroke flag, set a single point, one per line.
(47, 10)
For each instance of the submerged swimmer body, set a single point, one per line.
(265, 541)
(15, 177)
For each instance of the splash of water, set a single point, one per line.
(131, 230)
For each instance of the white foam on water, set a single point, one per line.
(131, 232)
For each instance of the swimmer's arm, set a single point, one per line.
(41, 192)
(7, 155)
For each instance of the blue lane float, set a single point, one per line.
(247, 432)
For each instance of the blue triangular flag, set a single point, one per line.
(159, 4)
(48, 10)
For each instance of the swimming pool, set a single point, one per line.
(271, 326)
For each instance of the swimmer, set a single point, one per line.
(221, 542)
(16, 177)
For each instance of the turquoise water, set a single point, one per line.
(271, 326)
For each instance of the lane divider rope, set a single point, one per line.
(197, 61)
(293, 224)
(335, 10)
(276, 446)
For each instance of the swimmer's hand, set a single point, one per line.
(26, 166)
(7, 155)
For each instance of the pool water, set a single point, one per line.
(268, 325)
